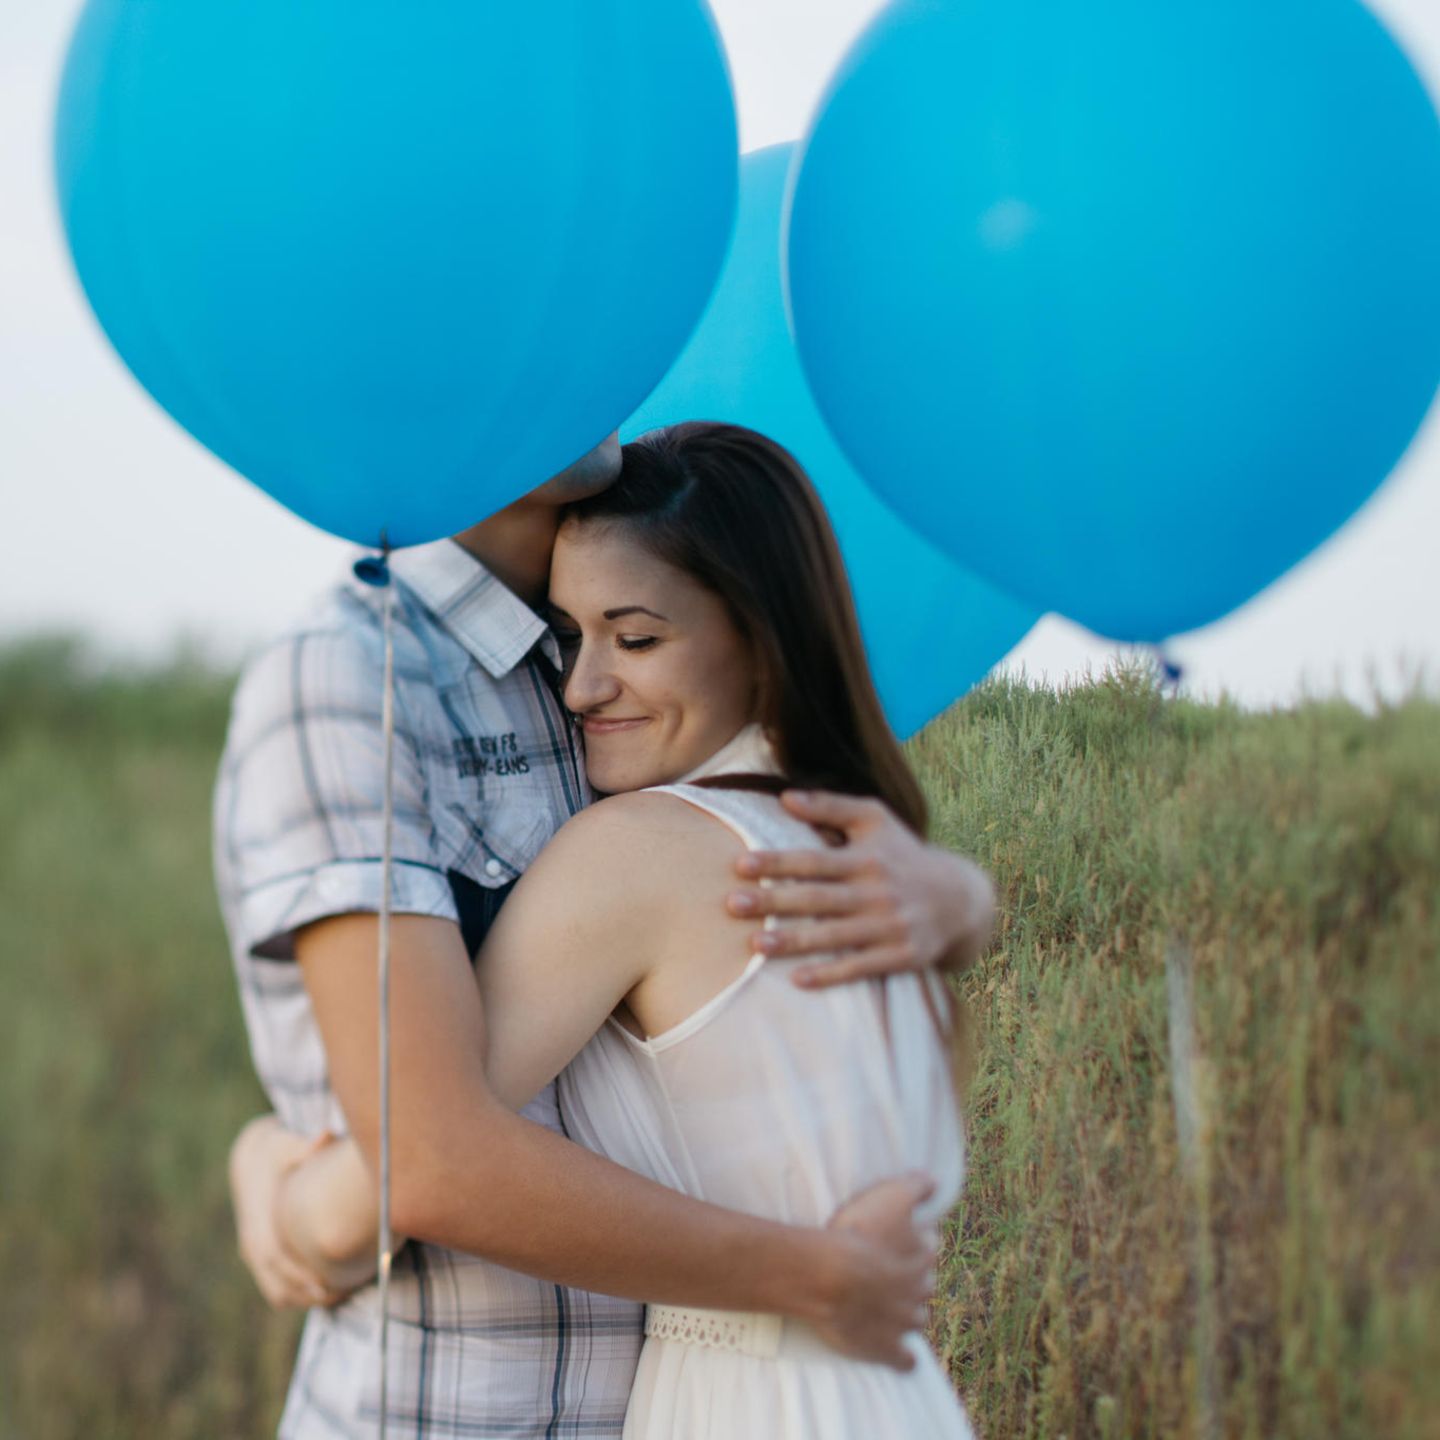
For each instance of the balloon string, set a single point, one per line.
(384, 1245)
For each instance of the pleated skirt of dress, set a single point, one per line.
(693, 1392)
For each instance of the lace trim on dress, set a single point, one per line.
(743, 1333)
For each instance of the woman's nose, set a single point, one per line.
(589, 682)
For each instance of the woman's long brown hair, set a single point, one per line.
(736, 512)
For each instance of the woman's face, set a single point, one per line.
(654, 666)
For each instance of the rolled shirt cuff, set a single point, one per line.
(273, 913)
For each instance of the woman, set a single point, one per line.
(712, 658)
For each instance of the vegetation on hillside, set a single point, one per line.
(1224, 916)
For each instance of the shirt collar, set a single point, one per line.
(748, 753)
(493, 623)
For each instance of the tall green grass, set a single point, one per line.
(1279, 1276)
(1286, 1282)
(123, 1068)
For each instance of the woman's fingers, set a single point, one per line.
(288, 1285)
(317, 1143)
(262, 1155)
(283, 1287)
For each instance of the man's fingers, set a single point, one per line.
(856, 932)
(879, 1348)
(915, 1187)
(922, 1186)
(901, 1359)
(814, 899)
(842, 812)
(862, 965)
(814, 864)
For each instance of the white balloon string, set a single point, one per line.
(385, 1251)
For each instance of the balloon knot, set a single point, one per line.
(1171, 671)
(374, 570)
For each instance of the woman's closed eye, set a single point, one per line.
(570, 641)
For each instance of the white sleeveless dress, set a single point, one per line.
(782, 1103)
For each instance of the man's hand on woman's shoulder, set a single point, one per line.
(882, 903)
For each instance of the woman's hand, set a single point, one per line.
(262, 1157)
(884, 902)
(890, 1273)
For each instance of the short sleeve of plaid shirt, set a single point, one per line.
(299, 813)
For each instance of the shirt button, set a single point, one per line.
(493, 868)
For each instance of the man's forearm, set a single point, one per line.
(583, 1221)
(532, 1201)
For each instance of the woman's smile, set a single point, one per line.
(596, 725)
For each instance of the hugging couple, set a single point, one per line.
(673, 1113)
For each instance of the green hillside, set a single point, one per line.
(1235, 912)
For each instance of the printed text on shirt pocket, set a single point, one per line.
(485, 755)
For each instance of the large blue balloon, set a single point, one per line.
(1127, 304)
(397, 263)
(931, 629)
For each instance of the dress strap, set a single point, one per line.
(730, 807)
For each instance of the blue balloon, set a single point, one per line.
(1126, 304)
(931, 629)
(397, 264)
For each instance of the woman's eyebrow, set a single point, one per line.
(624, 610)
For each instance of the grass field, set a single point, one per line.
(1233, 912)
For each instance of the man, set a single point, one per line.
(485, 772)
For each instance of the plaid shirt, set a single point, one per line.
(486, 771)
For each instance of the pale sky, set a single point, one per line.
(115, 523)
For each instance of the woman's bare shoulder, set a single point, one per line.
(647, 842)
